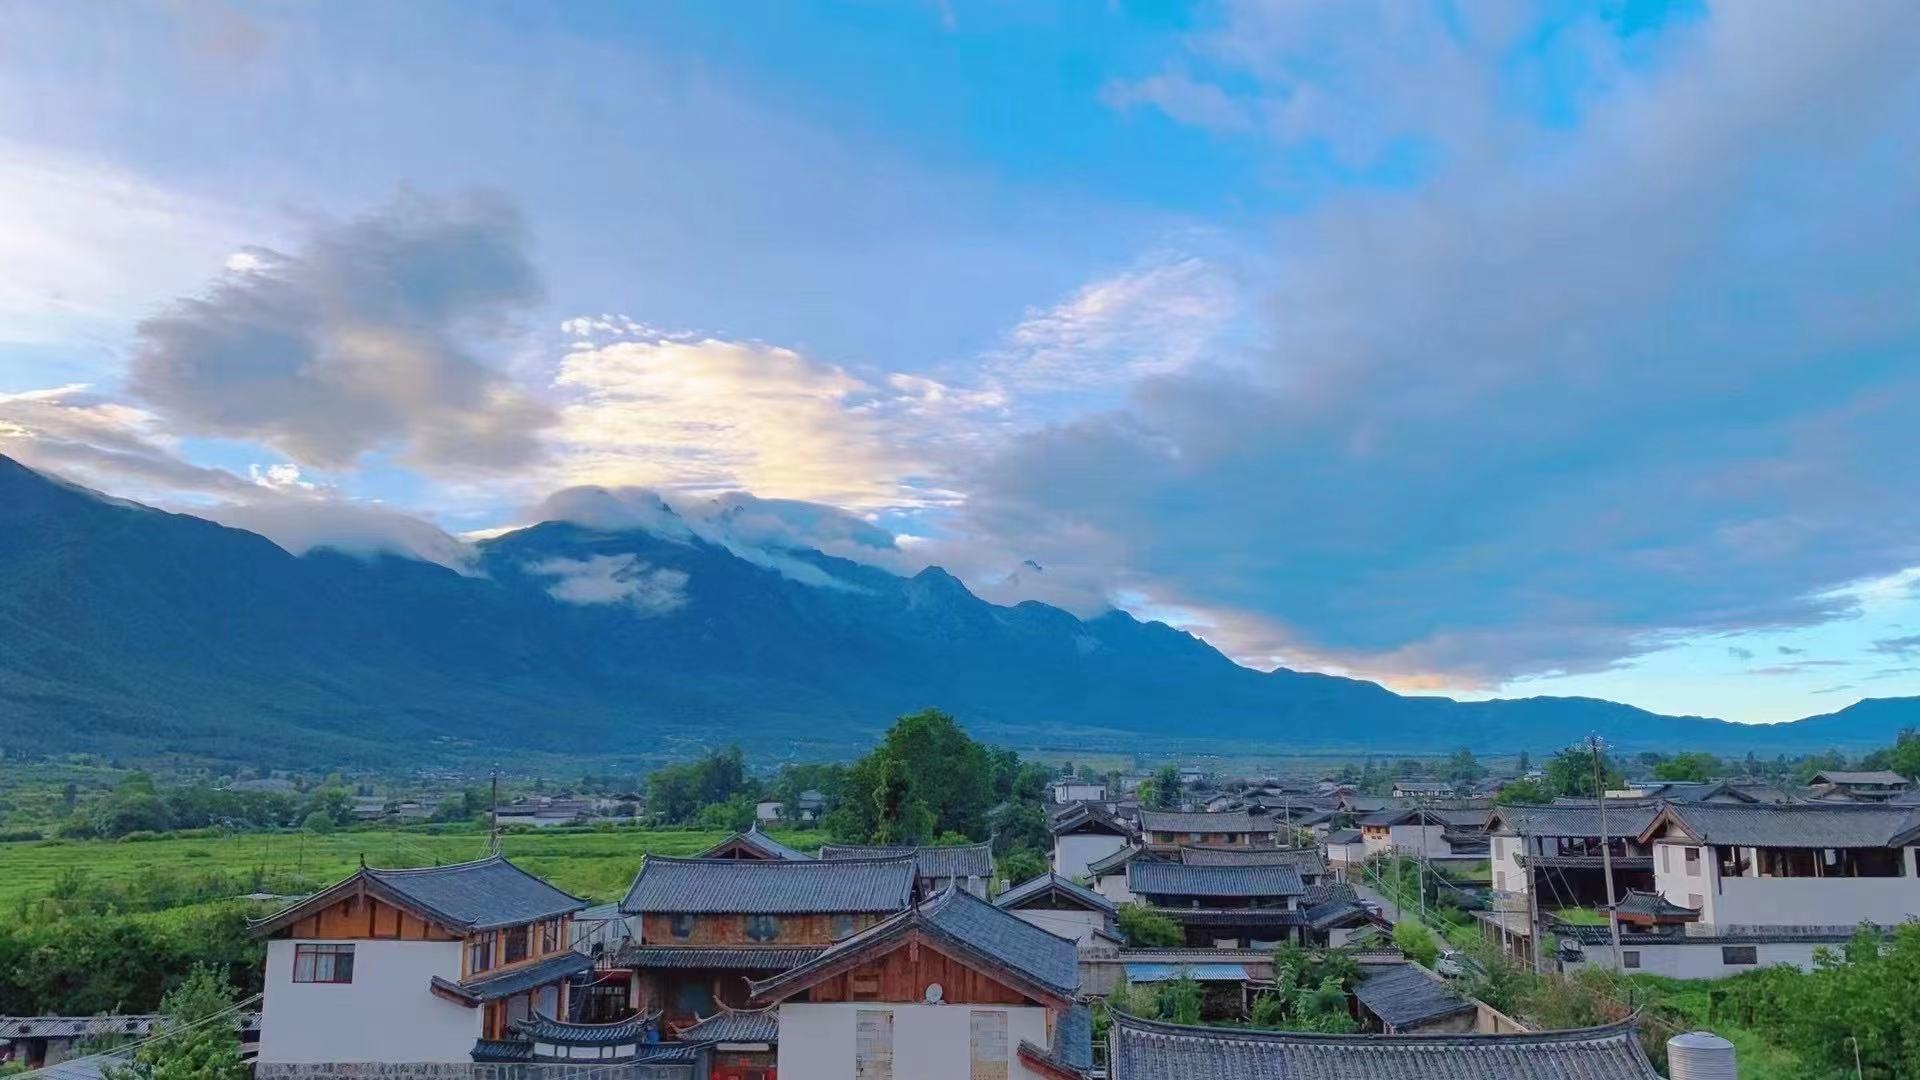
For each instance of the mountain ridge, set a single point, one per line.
(125, 629)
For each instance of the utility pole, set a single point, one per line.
(1534, 944)
(1606, 853)
(493, 815)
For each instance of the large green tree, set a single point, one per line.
(1570, 772)
(196, 1042)
(925, 779)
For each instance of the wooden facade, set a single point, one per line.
(359, 917)
(903, 975)
(750, 930)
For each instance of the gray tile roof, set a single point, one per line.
(495, 985)
(481, 895)
(1184, 821)
(1837, 825)
(775, 887)
(1308, 861)
(1107, 864)
(1583, 819)
(1082, 815)
(1152, 1050)
(755, 840)
(969, 924)
(736, 1026)
(1072, 1047)
(1326, 906)
(1404, 996)
(1343, 836)
(1044, 884)
(700, 957)
(1236, 916)
(1179, 879)
(1879, 776)
(1637, 902)
(537, 1028)
(951, 861)
(502, 1051)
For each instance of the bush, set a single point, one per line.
(318, 822)
(1146, 928)
(15, 836)
(140, 836)
(1417, 942)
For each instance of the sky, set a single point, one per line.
(1488, 348)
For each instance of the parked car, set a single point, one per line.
(1455, 964)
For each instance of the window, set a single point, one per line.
(1630, 957)
(519, 1006)
(515, 942)
(1693, 862)
(1500, 881)
(550, 936)
(987, 1045)
(479, 953)
(681, 926)
(1666, 866)
(843, 927)
(1739, 955)
(323, 963)
(763, 928)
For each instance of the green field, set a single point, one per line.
(596, 864)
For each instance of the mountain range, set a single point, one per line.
(133, 631)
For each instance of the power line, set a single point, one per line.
(153, 1037)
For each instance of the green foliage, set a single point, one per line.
(677, 793)
(1525, 791)
(1166, 788)
(1691, 766)
(1179, 999)
(1145, 928)
(1902, 757)
(318, 822)
(1866, 991)
(1571, 773)
(199, 1044)
(1416, 941)
(1463, 770)
(1022, 865)
(1309, 991)
(734, 815)
(925, 778)
(96, 963)
(1021, 826)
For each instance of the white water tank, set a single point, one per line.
(1699, 1055)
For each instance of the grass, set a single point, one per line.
(598, 865)
(1756, 1057)
(1579, 916)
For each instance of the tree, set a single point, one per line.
(1462, 770)
(1146, 928)
(333, 801)
(1524, 765)
(1021, 826)
(1022, 865)
(1416, 941)
(1166, 788)
(1695, 766)
(1570, 773)
(1181, 998)
(1525, 791)
(318, 822)
(925, 778)
(197, 1046)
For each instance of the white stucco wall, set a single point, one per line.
(1505, 852)
(1079, 792)
(387, 1013)
(1077, 926)
(1427, 840)
(1114, 887)
(930, 1042)
(1782, 901)
(1073, 851)
(1701, 961)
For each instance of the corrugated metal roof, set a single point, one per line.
(1151, 973)
(1179, 879)
(1152, 1050)
(775, 887)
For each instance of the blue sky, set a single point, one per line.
(1491, 348)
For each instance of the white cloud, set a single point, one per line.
(1159, 317)
(614, 579)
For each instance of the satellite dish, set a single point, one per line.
(934, 993)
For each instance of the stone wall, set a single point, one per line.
(402, 1070)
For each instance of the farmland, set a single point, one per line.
(597, 864)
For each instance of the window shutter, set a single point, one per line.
(873, 1045)
(987, 1045)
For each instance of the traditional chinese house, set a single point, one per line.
(1223, 906)
(703, 928)
(964, 866)
(951, 989)
(422, 965)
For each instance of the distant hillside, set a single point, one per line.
(130, 630)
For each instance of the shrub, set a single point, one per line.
(1417, 942)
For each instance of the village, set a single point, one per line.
(753, 960)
